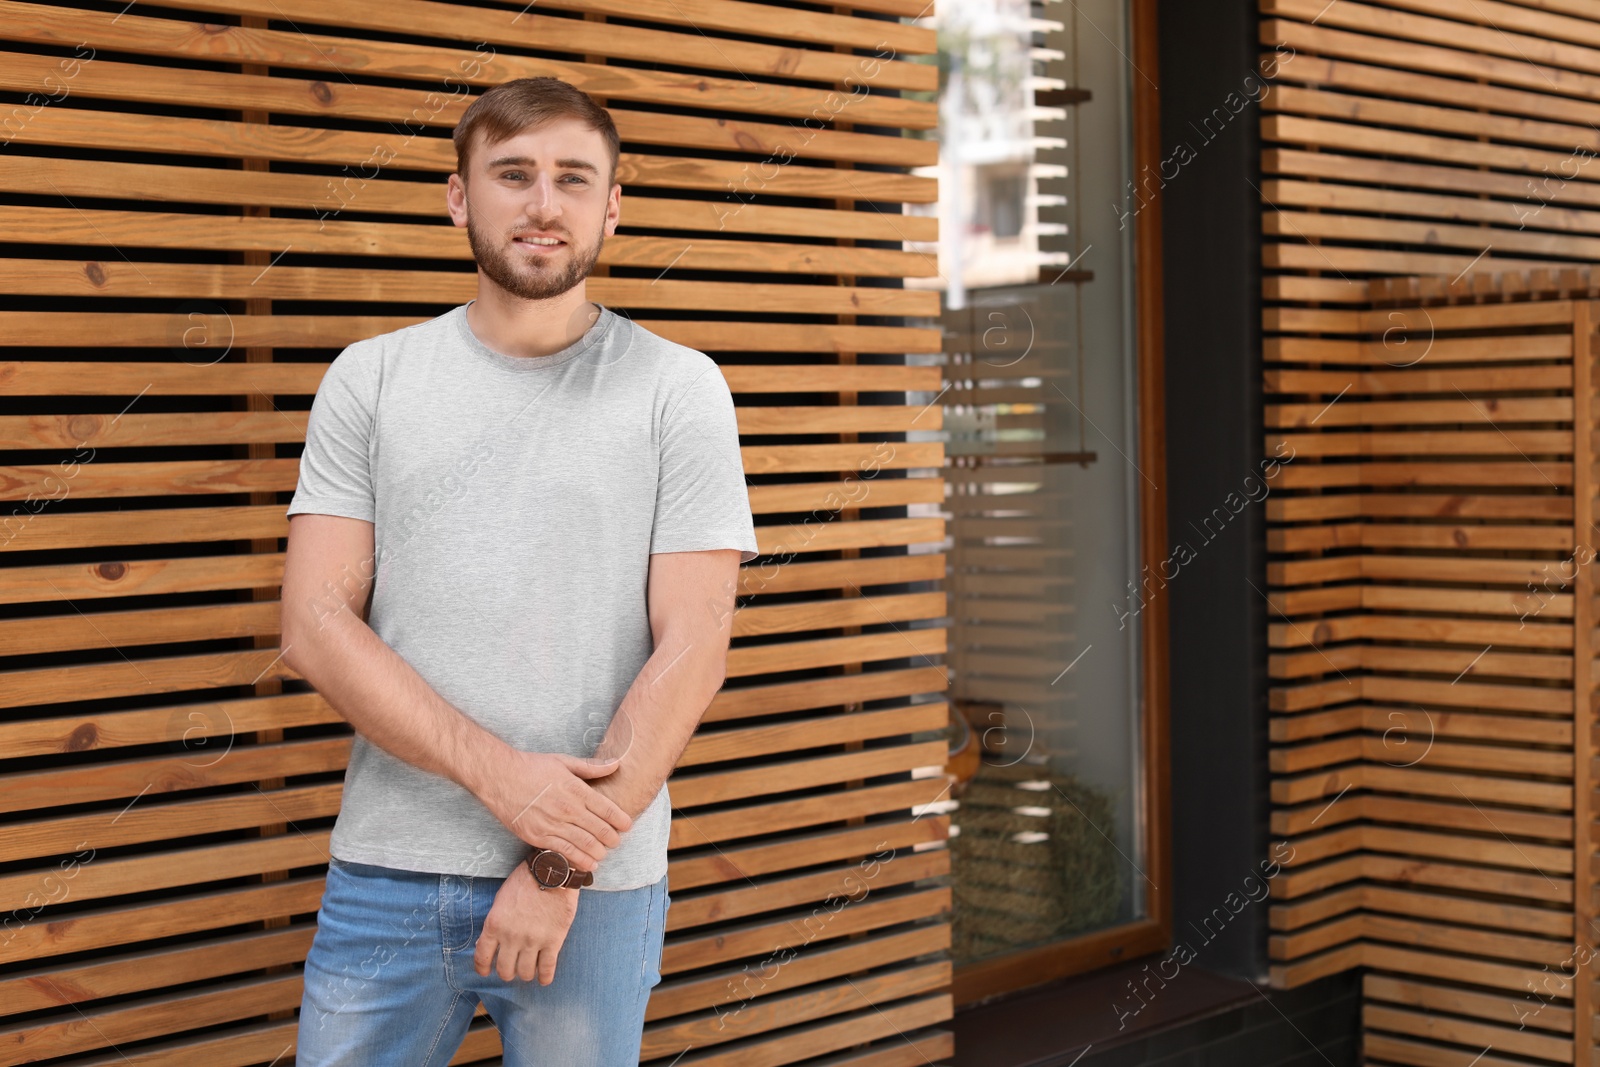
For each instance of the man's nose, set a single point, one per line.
(542, 196)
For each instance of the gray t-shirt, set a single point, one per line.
(516, 502)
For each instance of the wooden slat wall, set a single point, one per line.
(1425, 690)
(1416, 136)
(1424, 685)
(1432, 713)
(196, 218)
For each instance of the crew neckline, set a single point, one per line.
(596, 333)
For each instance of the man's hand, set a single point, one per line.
(527, 926)
(546, 799)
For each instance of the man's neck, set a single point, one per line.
(530, 328)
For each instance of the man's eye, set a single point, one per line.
(514, 175)
(578, 178)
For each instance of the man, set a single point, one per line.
(547, 508)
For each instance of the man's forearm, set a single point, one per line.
(387, 701)
(657, 719)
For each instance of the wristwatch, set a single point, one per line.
(551, 870)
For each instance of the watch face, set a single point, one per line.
(550, 868)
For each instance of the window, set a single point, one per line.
(1056, 824)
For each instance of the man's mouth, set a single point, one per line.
(539, 242)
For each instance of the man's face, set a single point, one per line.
(538, 207)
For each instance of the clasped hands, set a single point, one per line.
(547, 800)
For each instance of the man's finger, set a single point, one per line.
(604, 834)
(587, 843)
(547, 966)
(579, 857)
(589, 768)
(610, 811)
(483, 955)
(507, 968)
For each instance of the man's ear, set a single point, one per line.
(613, 209)
(455, 199)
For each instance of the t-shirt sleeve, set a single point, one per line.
(336, 468)
(701, 499)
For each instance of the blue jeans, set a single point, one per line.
(389, 978)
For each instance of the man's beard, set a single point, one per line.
(534, 280)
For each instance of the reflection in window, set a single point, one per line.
(1041, 475)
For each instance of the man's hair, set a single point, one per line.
(527, 103)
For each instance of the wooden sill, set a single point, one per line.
(1009, 974)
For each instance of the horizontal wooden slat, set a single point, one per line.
(109, 630)
(165, 229)
(1510, 1039)
(153, 776)
(144, 969)
(148, 1017)
(703, 829)
(709, 747)
(1496, 55)
(819, 1038)
(1463, 1002)
(41, 530)
(772, 935)
(235, 379)
(1420, 330)
(180, 477)
(675, 996)
(691, 790)
(696, 865)
(1344, 259)
(108, 926)
(734, 16)
(1308, 225)
(82, 128)
(158, 819)
(169, 38)
(397, 196)
(533, 30)
(772, 1011)
(178, 331)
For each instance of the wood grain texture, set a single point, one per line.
(1432, 688)
(197, 216)
(1429, 201)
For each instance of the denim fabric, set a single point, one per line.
(389, 980)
